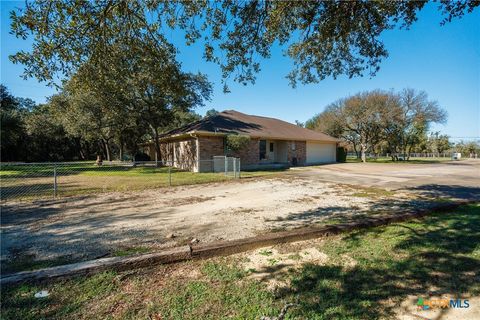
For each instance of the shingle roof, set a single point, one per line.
(231, 121)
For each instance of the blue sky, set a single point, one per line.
(443, 61)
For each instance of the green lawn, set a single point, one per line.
(36, 181)
(367, 272)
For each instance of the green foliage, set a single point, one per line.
(438, 143)
(137, 90)
(211, 113)
(341, 154)
(323, 38)
(467, 148)
(12, 126)
(379, 121)
(30, 132)
(236, 142)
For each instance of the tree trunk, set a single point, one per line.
(156, 143)
(78, 143)
(356, 150)
(363, 150)
(120, 151)
(106, 145)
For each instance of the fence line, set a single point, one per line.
(61, 179)
(412, 155)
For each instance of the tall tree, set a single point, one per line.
(12, 126)
(323, 38)
(376, 120)
(31, 132)
(439, 143)
(331, 123)
(417, 113)
(138, 88)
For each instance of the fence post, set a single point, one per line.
(234, 167)
(54, 181)
(170, 175)
(239, 168)
(226, 164)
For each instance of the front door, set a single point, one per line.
(271, 151)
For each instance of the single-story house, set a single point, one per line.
(272, 142)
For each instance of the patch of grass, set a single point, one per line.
(222, 271)
(221, 290)
(261, 173)
(295, 257)
(441, 251)
(65, 300)
(130, 251)
(35, 181)
(265, 252)
(272, 261)
(371, 192)
(25, 262)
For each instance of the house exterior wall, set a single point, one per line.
(250, 155)
(297, 150)
(209, 146)
(196, 153)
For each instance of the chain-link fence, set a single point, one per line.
(32, 181)
(411, 155)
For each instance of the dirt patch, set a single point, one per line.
(272, 264)
(187, 200)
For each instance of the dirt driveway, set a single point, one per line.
(89, 227)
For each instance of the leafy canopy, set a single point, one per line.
(236, 142)
(323, 38)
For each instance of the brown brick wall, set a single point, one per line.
(249, 155)
(210, 146)
(186, 152)
(300, 152)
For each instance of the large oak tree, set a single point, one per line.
(370, 119)
(323, 38)
(137, 89)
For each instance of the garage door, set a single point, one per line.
(321, 152)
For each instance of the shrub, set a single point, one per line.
(235, 142)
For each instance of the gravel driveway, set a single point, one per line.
(89, 227)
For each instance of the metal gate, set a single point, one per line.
(229, 165)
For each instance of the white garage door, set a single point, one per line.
(318, 152)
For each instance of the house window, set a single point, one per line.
(271, 146)
(294, 147)
(263, 149)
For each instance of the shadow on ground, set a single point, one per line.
(439, 191)
(426, 196)
(438, 255)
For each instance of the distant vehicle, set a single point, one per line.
(456, 156)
